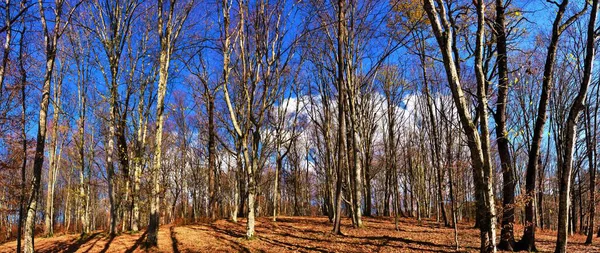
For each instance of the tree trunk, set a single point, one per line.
(142, 130)
(386, 191)
(478, 143)
(164, 61)
(437, 159)
(212, 166)
(38, 162)
(168, 31)
(590, 139)
(341, 142)
(81, 150)
(571, 132)
(53, 166)
(357, 178)
(252, 165)
(527, 241)
(367, 182)
(396, 190)
(452, 201)
(507, 238)
(23, 83)
(279, 165)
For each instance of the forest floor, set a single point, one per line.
(295, 234)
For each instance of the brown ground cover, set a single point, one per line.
(293, 234)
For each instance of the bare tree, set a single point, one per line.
(341, 134)
(170, 24)
(23, 84)
(113, 31)
(262, 58)
(55, 150)
(478, 142)
(566, 163)
(51, 38)
(591, 132)
(527, 242)
(507, 238)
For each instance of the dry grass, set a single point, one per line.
(294, 234)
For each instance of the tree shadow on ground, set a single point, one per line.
(138, 242)
(71, 245)
(293, 246)
(107, 245)
(237, 245)
(93, 244)
(386, 239)
(173, 239)
(307, 237)
(225, 236)
(298, 234)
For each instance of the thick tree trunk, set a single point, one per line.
(169, 26)
(156, 164)
(507, 238)
(164, 60)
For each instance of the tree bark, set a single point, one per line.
(139, 160)
(391, 169)
(23, 83)
(169, 26)
(341, 140)
(53, 166)
(50, 41)
(154, 222)
(212, 165)
(591, 143)
(507, 238)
